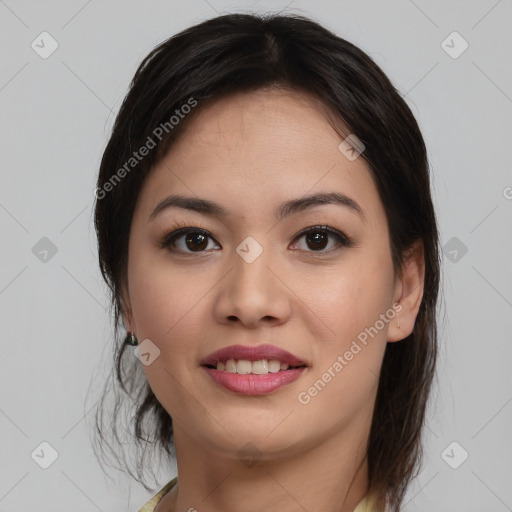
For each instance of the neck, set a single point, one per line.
(331, 475)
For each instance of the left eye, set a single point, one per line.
(317, 238)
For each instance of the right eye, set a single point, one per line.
(195, 239)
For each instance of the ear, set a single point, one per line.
(127, 314)
(408, 293)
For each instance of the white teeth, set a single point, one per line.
(260, 367)
(274, 366)
(244, 366)
(231, 366)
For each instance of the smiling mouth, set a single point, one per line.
(259, 367)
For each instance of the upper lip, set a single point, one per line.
(252, 353)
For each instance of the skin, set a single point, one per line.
(250, 152)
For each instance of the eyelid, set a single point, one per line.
(170, 236)
(340, 235)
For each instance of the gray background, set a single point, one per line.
(56, 114)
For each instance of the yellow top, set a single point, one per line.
(152, 503)
(365, 505)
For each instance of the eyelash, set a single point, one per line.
(167, 239)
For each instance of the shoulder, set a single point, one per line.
(152, 503)
(367, 504)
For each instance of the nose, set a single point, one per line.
(253, 294)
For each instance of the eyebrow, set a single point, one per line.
(288, 208)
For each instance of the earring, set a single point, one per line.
(131, 339)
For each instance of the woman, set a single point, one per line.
(266, 228)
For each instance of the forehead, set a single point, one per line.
(255, 116)
(257, 149)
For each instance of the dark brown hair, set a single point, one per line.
(242, 52)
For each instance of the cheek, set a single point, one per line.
(345, 378)
(354, 303)
(347, 298)
(164, 296)
(168, 310)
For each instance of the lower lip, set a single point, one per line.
(252, 384)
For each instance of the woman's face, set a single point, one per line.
(255, 278)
